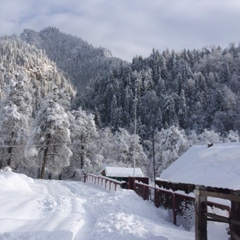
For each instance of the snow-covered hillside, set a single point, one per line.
(64, 210)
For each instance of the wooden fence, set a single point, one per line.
(180, 206)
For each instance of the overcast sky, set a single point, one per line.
(130, 27)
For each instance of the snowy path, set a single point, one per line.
(64, 210)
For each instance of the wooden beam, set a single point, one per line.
(229, 197)
(187, 188)
(217, 218)
(235, 236)
(235, 215)
(200, 217)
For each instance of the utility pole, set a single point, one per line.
(135, 132)
(153, 157)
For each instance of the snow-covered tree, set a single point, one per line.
(15, 121)
(169, 145)
(48, 144)
(118, 149)
(83, 135)
(126, 151)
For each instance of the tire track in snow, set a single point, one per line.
(91, 194)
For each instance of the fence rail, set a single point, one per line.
(102, 181)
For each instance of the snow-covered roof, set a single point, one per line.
(217, 166)
(122, 172)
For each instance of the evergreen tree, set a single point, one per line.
(115, 115)
(50, 137)
(170, 144)
(169, 114)
(182, 111)
(83, 136)
(15, 122)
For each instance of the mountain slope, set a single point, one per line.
(20, 61)
(80, 61)
(29, 82)
(194, 90)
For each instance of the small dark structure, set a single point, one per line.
(132, 181)
(121, 173)
(127, 175)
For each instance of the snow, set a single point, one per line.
(216, 166)
(123, 172)
(50, 209)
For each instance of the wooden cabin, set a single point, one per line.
(208, 171)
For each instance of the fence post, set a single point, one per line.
(146, 193)
(84, 177)
(235, 229)
(174, 208)
(156, 198)
(200, 218)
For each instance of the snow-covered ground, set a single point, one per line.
(64, 210)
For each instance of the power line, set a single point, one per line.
(50, 145)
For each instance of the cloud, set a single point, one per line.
(129, 28)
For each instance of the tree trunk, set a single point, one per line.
(82, 156)
(9, 162)
(45, 157)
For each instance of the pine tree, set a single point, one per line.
(83, 136)
(182, 111)
(48, 144)
(15, 122)
(169, 114)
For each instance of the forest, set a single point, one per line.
(68, 107)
